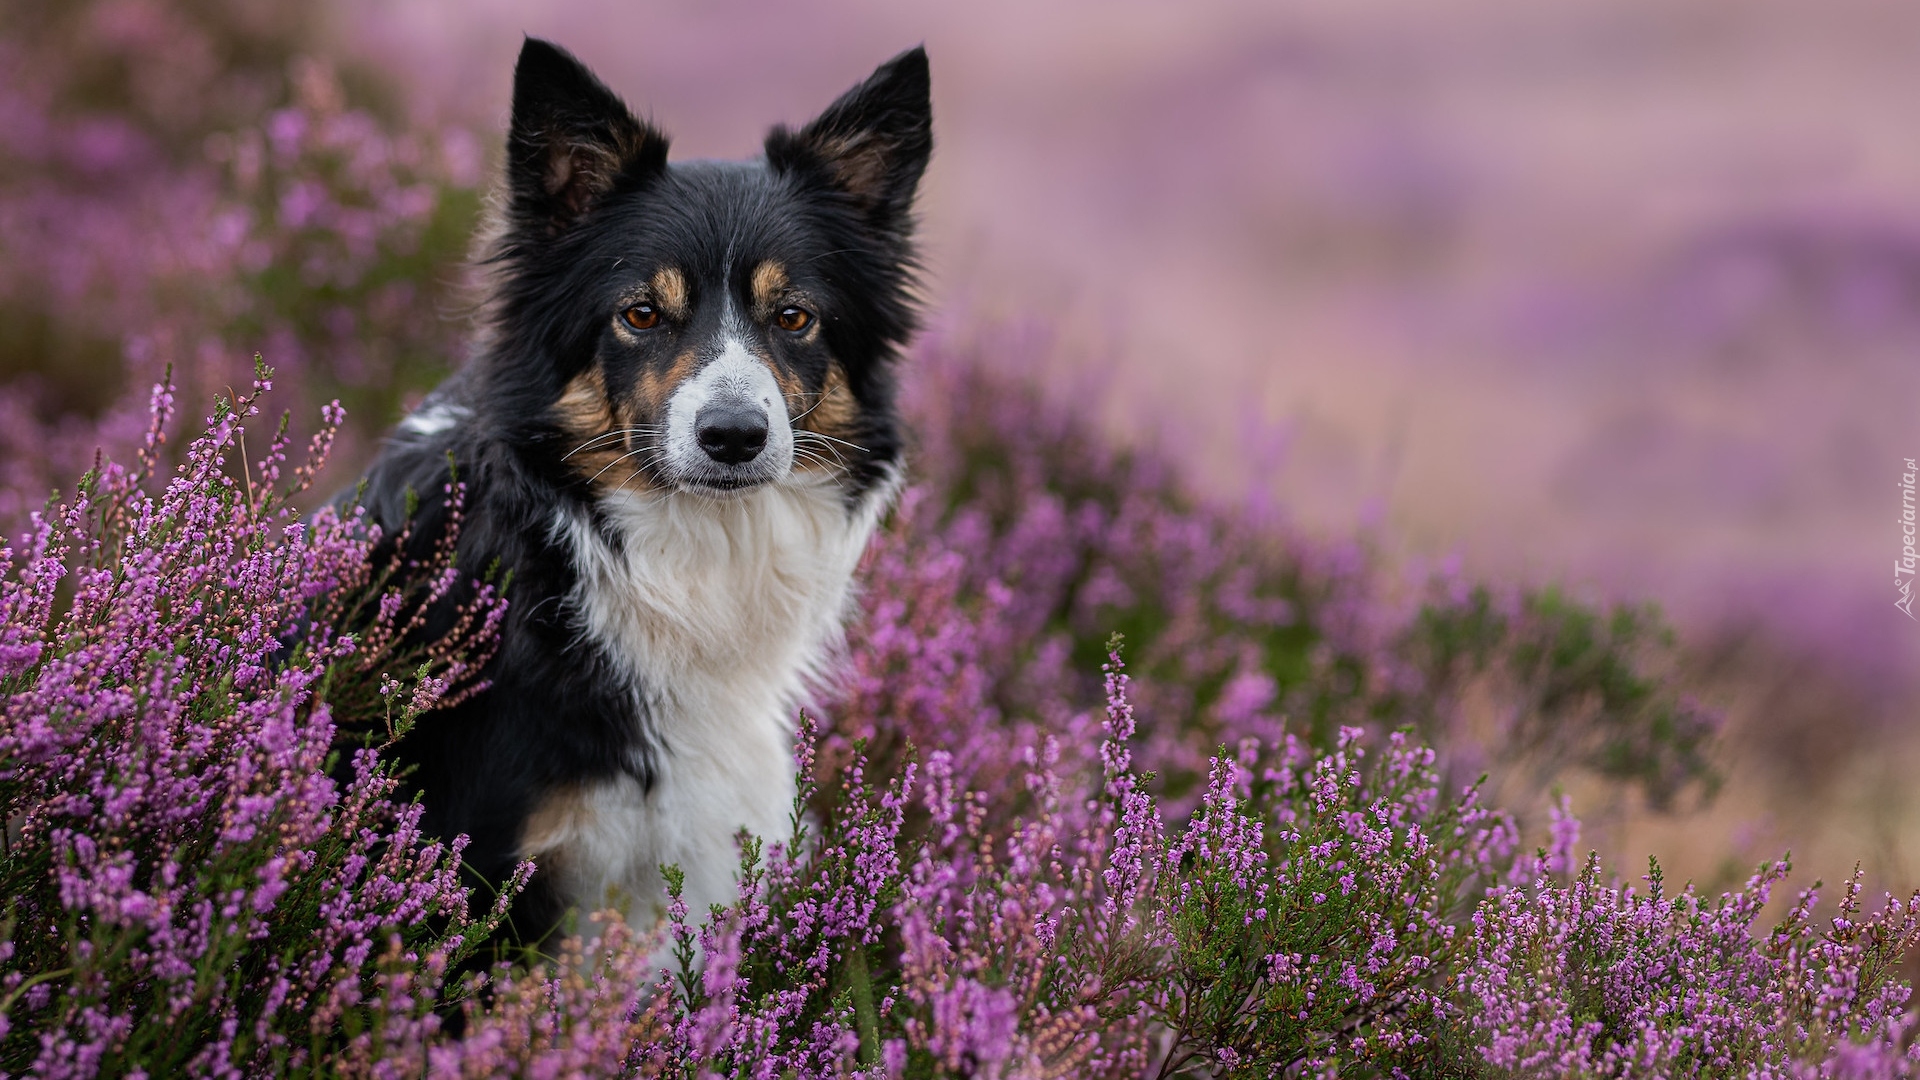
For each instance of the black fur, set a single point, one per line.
(591, 209)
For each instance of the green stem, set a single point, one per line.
(7, 1005)
(864, 1013)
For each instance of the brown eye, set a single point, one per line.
(641, 317)
(793, 320)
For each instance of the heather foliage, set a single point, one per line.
(187, 885)
(1592, 979)
(201, 881)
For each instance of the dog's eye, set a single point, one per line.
(793, 320)
(641, 317)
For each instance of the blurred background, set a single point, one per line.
(1619, 293)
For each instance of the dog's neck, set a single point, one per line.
(691, 585)
(726, 614)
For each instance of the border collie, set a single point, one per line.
(677, 430)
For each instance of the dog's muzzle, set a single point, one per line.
(727, 426)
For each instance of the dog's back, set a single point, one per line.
(678, 433)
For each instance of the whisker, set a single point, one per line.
(833, 473)
(588, 443)
(823, 400)
(842, 442)
(832, 468)
(824, 447)
(831, 439)
(645, 429)
(647, 448)
(644, 464)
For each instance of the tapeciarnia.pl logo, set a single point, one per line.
(1905, 564)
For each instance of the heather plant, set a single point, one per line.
(201, 882)
(1586, 688)
(1322, 942)
(1316, 916)
(1277, 930)
(189, 887)
(1583, 978)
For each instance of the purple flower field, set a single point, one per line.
(1123, 778)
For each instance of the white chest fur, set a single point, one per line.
(725, 613)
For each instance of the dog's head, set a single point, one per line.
(705, 326)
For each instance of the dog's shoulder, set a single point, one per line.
(409, 483)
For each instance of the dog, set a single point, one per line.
(677, 430)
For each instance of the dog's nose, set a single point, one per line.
(731, 434)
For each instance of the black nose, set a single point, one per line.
(731, 434)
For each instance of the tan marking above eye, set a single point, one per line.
(793, 319)
(768, 284)
(669, 288)
(641, 317)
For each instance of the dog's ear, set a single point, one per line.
(871, 145)
(572, 140)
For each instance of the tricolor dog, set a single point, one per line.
(677, 429)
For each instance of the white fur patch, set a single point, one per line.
(435, 419)
(725, 611)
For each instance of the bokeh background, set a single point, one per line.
(1619, 293)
